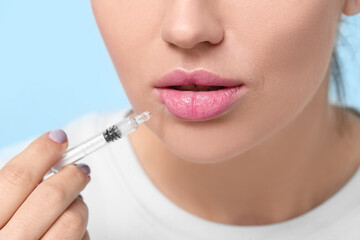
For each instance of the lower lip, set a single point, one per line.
(201, 105)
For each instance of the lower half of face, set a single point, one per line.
(280, 50)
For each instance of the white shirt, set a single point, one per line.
(125, 204)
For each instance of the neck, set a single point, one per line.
(285, 176)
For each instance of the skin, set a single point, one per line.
(24, 197)
(281, 137)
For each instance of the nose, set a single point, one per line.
(190, 22)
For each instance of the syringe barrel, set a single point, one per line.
(119, 130)
(115, 132)
(127, 126)
(78, 152)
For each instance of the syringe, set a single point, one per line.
(113, 133)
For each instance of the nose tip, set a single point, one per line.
(187, 37)
(189, 24)
(179, 36)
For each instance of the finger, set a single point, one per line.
(20, 175)
(71, 225)
(46, 203)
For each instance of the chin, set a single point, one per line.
(204, 153)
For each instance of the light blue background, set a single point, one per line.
(54, 67)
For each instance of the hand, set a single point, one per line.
(34, 209)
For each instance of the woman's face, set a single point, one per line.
(281, 50)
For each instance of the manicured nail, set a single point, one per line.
(85, 168)
(80, 196)
(58, 136)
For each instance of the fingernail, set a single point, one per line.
(80, 196)
(85, 168)
(58, 136)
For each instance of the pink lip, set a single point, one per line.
(198, 105)
(198, 77)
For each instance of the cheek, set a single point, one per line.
(130, 32)
(289, 45)
(294, 49)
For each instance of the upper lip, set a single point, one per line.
(180, 77)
